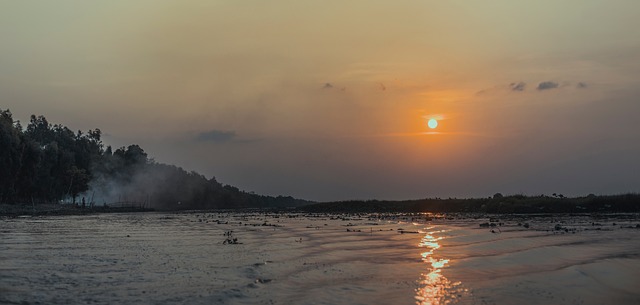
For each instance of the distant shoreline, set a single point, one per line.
(15, 210)
(515, 204)
(498, 204)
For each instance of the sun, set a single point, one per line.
(432, 123)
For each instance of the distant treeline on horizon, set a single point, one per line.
(45, 163)
(498, 204)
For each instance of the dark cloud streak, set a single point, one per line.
(547, 85)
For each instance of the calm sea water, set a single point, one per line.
(225, 258)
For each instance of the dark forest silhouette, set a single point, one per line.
(49, 163)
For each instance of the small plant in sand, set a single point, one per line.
(230, 240)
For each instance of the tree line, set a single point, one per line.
(50, 163)
(498, 204)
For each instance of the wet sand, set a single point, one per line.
(557, 260)
(182, 258)
(252, 258)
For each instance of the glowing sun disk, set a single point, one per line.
(432, 123)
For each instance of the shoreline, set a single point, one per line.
(17, 210)
(24, 210)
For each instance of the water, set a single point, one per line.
(557, 260)
(156, 258)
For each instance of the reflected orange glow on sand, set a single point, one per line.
(435, 288)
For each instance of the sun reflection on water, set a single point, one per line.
(435, 288)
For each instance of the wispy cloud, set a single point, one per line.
(216, 136)
(519, 86)
(429, 133)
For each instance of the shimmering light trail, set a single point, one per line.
(436, 288)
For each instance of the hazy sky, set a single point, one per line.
(329, 100)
